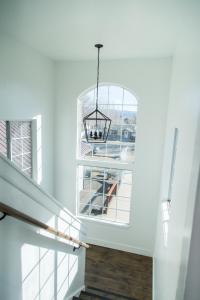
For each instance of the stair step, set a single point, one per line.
(91, 296)
(111, 295)
(92, 293)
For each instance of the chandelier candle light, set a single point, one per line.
(96, 124)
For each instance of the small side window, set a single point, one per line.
(16, 143)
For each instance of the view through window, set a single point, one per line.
(16, 144)
(105, 182)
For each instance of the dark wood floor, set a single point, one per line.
(119, 272)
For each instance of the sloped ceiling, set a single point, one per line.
(68, 29)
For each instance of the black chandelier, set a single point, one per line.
(96, 124)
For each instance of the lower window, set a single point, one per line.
(104, 193)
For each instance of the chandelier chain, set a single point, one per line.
(97, 96)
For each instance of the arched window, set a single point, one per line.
(105, 170)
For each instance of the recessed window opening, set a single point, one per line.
(16, 143)
(104, 176)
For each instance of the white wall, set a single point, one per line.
(33, 266)
(149, 80)
(170, 264)
(192, 290)
(27, 90)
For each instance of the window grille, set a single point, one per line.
(104, 185)
(16, 143)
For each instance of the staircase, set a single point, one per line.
(40, 239)
(53, 267)
(92, 293)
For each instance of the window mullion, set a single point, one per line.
(105, 164)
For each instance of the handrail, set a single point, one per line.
(41, 190)
(56, 202)
(25, 218)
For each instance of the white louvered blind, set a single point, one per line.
(16, 143)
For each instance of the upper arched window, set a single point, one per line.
(120, 105)
(104, 183)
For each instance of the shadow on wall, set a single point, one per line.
(35, 266)
(46, 273)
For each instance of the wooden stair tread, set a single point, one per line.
(92, 293)
(110, 294)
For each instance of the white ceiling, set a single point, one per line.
(68, 29)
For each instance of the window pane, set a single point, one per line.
(16, 146)
(98, 151)
(115, 95)
(25, 127)
(84, 172)
(115, 134)
(26, 161)
(86, 184)
(97, 186)
(28, 172)
(127, 153)
(128, 133)
(15, 129)
(123, 203)
(129, 114)
(17, 161)
(113, 151)
(124, 190)
(26, 144)
(110, 215)
(115, 114)
(126, 177)
(103, 95)
(96, 210)
(103, 192)
(129, 98)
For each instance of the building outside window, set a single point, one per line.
(105, 171)
(16, 143)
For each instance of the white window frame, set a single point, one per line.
(33, 148)
(119, 165)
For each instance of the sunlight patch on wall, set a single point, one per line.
(40, 279)
(66, 276)
(165, 220)
(38, 119)
(37, 272)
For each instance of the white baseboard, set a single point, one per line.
(118, 246)
(75, 293)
